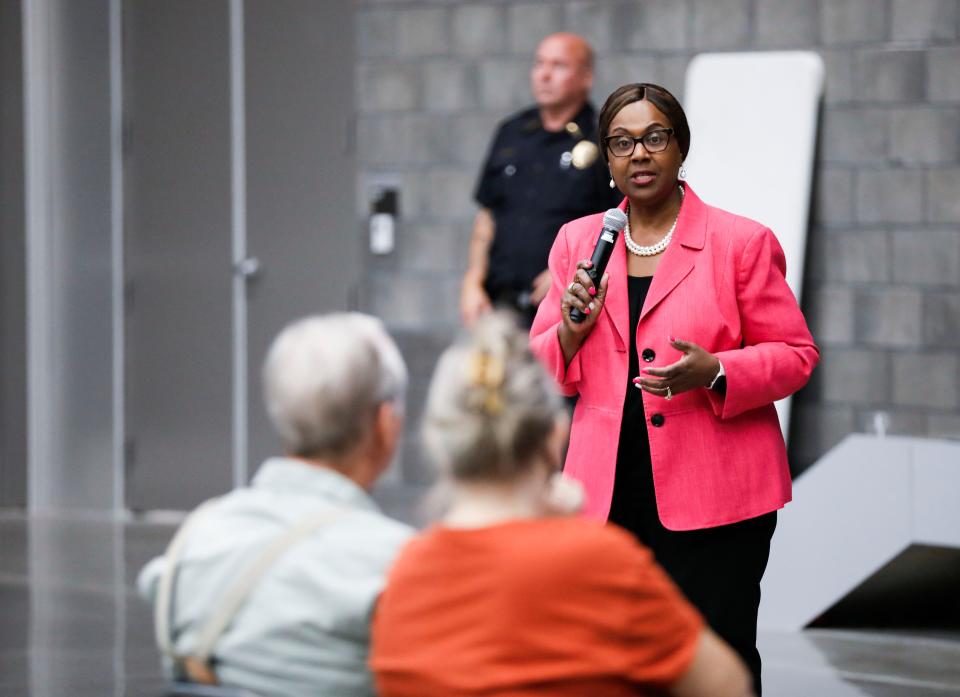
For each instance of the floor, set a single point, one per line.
(71, 626)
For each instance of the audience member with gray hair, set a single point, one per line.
(507, 596)
(270, 587)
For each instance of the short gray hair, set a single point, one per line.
(324, 378)
(491, 407)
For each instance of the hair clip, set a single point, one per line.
(488, 372)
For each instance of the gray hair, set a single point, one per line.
(324, 378)
(491, 406)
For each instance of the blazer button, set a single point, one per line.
(657, 420)
(648, 355)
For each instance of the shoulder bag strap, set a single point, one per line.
(162, 618)
(224, 613)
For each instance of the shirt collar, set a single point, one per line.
(585, 119)
(288, 474)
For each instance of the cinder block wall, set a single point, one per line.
(882, 292)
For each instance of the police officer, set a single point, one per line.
(542, 171)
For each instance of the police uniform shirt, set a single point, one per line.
(533, 182)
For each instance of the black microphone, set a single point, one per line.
(614, 220)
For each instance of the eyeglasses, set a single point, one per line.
(624, 145)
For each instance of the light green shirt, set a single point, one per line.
(304, 629)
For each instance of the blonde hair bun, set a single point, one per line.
(491, 406)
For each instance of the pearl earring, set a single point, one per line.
(612, 184)
(683, 172)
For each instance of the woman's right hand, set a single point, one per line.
(581, 294)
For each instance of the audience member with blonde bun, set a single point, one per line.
(512, 594)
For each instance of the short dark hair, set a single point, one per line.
(660, 97)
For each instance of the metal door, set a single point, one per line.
(177, 191)
(300, 176)
(276, 171)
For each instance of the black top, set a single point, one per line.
(532, 186)
(633, 493)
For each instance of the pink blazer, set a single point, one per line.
(716, 459)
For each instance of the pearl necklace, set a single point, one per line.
(653, 249)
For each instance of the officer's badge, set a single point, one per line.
(584, 154)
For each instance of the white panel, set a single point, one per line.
(753, 124)
(856, 509)
(849, 516)
(936, 493)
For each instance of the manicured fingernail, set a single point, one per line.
(593, 291)
(636, 380)
(587, 311)
(671, 339)
(645, 371)
(638, 386)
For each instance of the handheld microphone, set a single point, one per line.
(614, 220)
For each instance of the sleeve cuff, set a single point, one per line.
(569, 376)
(720, 399)
(716, 378)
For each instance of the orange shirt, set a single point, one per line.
(551, 606)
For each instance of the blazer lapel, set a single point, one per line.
(679, 259)
(617, 304)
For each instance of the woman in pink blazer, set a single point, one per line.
(690, 336)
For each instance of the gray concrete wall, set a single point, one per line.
(882, 287)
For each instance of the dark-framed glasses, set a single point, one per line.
(653, 141)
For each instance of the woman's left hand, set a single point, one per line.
(696, 369)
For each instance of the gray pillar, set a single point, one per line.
(69, 198)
